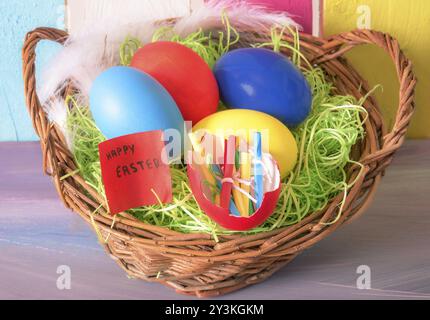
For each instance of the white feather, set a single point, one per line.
(57, 113)
(87, 54)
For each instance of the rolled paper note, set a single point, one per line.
(204, 168)
(199, 150)
(237, 195)
(208, 175)
(216, 184)
(237, 160)
(197, 147)
(209, 180)
(258, 170)
(233, 207)
(245, 173)
(229, 163)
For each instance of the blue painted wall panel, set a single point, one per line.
(16, 19)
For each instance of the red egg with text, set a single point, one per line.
(184, 74)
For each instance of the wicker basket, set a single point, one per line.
(195, 264)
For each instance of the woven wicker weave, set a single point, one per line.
(195, 264)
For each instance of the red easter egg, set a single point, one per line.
(184, 74)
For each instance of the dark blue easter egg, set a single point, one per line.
(265, 81)
(125, 101)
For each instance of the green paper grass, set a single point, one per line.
(325, 141)
(209, 46)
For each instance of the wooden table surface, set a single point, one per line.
(393, 238)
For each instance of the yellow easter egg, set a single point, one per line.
(276, 137)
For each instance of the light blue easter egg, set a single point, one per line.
(124, 101)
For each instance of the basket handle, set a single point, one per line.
(338, 45)
(38, 116)
(335, 47)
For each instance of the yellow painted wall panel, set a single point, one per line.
(409, 22)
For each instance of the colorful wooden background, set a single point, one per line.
(16, 19)
(409, 21)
